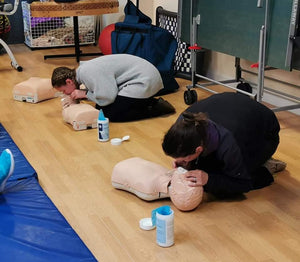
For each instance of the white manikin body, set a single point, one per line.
(150, 181)
(80, 116)
(147, 180)
(34, 90)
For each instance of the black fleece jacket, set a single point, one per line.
(242, 135)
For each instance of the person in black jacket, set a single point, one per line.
(226, 142)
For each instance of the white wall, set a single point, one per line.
(170, 5)
(108, 19)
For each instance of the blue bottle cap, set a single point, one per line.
(101, 115)
(163, 210)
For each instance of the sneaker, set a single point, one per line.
(7, 165)
(275, 165)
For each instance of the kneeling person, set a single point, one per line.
(226, 142)
(121, 85)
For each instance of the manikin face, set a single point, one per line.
(68, 88)
(183, 196)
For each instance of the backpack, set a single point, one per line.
(137, 36)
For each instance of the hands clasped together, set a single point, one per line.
(195, 177)
(68, 100)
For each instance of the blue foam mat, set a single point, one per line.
(23, 168)
(31, 227)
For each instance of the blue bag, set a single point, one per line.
(137, 36)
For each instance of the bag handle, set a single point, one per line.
(137, 3)
(131, 9)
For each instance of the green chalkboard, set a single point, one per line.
(233, 27)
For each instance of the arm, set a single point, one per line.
(78, 94)
(225, 186)
(103, 94)
(99, 79)
(217, 184)
(222, 173)
(233, 178)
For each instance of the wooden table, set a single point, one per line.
(74, 9)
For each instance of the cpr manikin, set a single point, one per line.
(80, 115)
(34, 90)
(150, 181)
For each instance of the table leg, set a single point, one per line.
(78, 53)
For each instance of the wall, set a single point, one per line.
(171, 5)
(113, 18)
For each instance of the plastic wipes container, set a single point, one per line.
(164, 220)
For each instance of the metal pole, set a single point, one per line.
(192, 39)
(196, 22)
(262, 50)
(261, 65)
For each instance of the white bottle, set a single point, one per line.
(165, 226)
(103, 127)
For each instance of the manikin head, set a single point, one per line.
(183, 196)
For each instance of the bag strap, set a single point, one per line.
(137, 3)
(131, 9)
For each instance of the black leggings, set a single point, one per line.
(125, 109)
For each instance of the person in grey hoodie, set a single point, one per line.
(122, 85)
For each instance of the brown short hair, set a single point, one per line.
(61, 74)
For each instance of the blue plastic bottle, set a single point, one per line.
(103, 127)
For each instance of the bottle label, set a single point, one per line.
(164, 220)
(165, 232)
(103, 131)
(162, 231)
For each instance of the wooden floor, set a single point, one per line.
(75, 170)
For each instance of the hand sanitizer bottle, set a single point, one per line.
(103, 127)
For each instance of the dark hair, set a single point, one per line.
(61, 74)
(185, 135)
